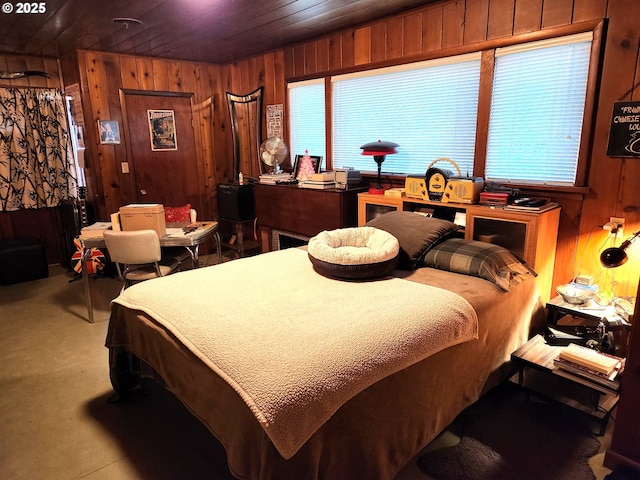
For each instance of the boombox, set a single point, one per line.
(441, 185)
(437, 178)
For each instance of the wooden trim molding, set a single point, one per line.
(459, 50)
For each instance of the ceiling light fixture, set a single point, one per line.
(127, 22)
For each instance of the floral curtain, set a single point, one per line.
(37, 168)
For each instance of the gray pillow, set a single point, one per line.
(416, 234)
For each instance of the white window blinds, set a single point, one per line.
(307, 118)
(429, 109)
(537, 110)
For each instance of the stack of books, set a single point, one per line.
(577, 361)
(95, 230)
(526, 208)
(273, 178)
(320, 181)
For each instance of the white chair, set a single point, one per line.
(137, 255)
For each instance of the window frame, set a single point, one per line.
(487, 50)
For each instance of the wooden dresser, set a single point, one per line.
(303, 212)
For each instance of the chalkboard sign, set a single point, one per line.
(624, 134)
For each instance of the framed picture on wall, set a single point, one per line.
(108, 131)
(299, 169)
(162, 130)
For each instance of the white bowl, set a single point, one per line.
(575, 294)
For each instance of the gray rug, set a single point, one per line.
(504, 436)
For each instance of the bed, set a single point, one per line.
(305, 376)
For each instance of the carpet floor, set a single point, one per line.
(510, 435)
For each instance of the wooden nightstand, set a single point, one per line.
(538, 374)
(589, 321)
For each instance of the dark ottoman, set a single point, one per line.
(22, 260)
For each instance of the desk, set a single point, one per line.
(175, 237)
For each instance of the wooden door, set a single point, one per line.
(161, 143)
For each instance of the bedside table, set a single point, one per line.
(587, 322)
(538, 375)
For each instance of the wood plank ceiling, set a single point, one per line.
(213, 31)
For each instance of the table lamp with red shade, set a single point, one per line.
(379, 150)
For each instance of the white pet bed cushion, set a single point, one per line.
(354, 253)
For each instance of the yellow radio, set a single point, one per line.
(416, 187)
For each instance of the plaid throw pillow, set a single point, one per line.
(479, 259)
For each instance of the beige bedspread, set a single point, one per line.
(301, 345)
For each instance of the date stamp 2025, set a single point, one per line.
(24, 7)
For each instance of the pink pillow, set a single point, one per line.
(177, 214)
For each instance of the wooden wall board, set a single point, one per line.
(413, 34)
(528, 16)
(378, 50)
(335, 52)
(432, 29)
(453, 24)
(476, 31)
(348, 49)
(585, 10)
(395, 38)
(362, 45)
(501, 18)
(556, 13)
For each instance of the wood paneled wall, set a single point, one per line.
(102, 77)
(441, 29)
(20, 63)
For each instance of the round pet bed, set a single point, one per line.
(354, 253)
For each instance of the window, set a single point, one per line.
(534, 123)
(307, 118)
(429, 109)
(537, 107)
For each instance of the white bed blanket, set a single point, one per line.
(296, 345)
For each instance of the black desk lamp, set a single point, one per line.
(379, 150)
(615, 256)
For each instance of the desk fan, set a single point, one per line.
(273, 152)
